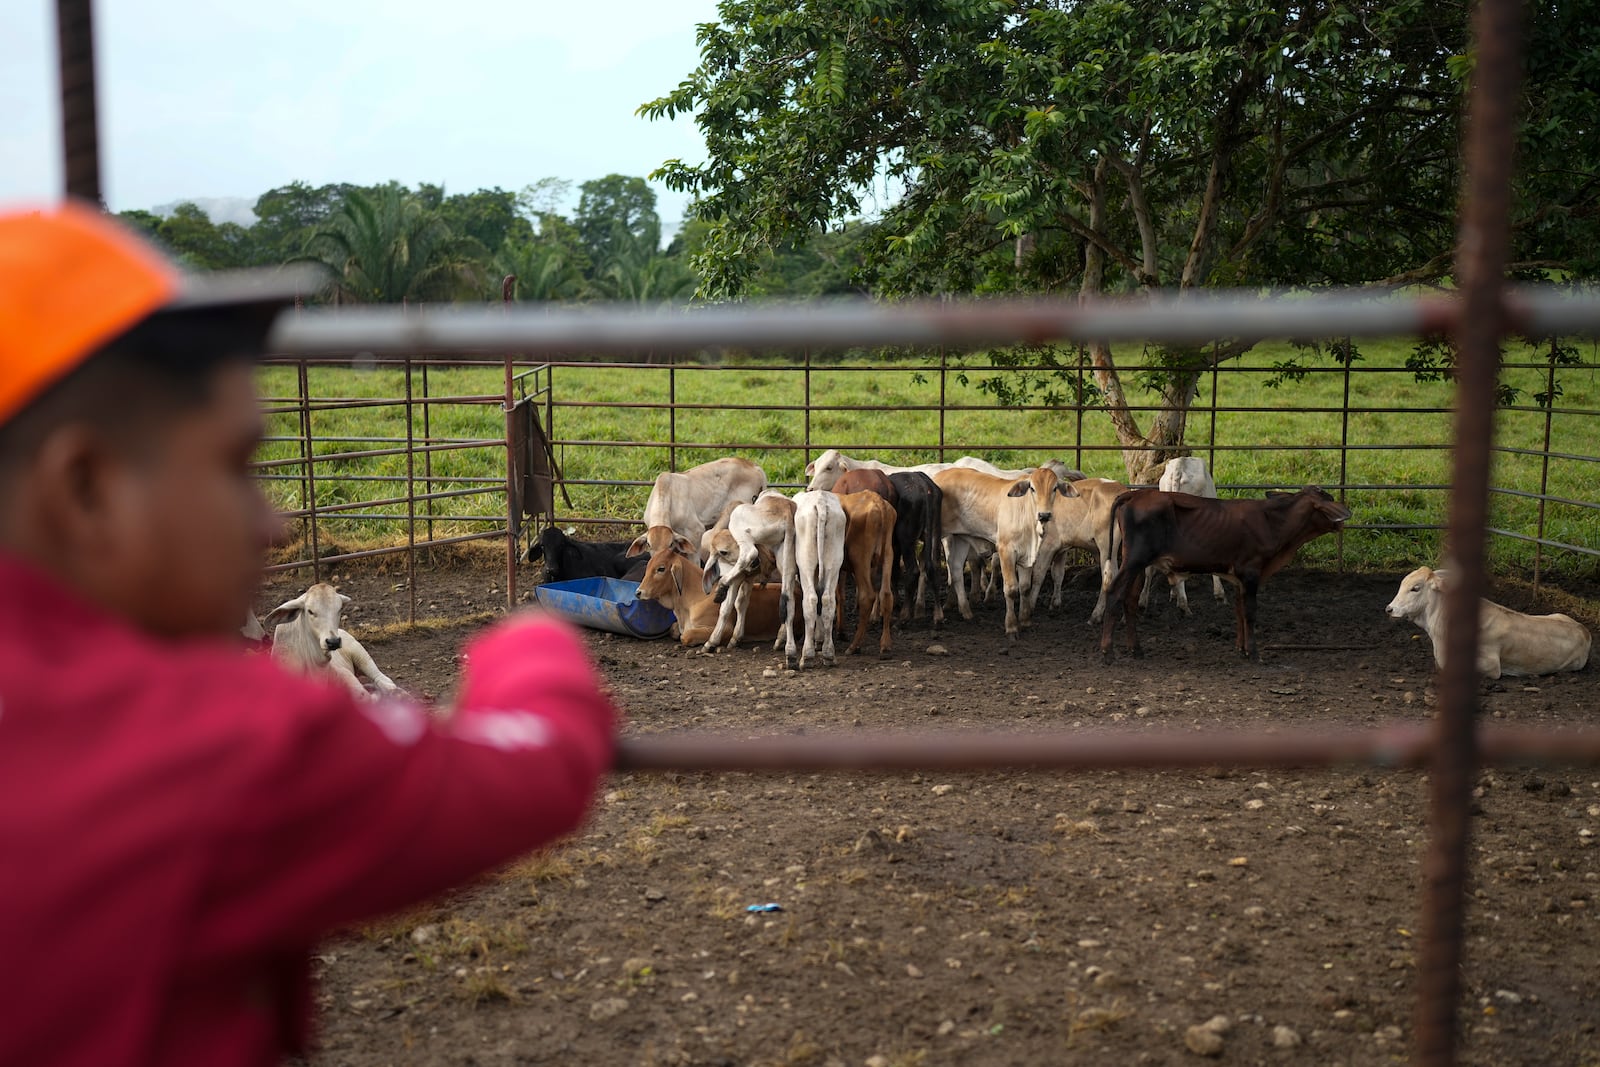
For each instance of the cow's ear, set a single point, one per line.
(344, 599)
(811, 468)
(1020, 489)
(536, 551)
(1066, 490)
(1438, 579)
(640, 544)
(1274, 493)
(708, 577)
(288, 611)
(684, 547)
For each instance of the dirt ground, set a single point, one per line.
(1008, 918)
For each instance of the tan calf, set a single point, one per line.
(869, 558)
(675, 581)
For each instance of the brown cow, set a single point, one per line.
(869, 557)
(675, 581)
(1245, 541)
(867, 480)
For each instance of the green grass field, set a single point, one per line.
(1397, 430)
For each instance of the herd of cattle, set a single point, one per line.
(730, 558)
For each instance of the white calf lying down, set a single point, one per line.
(1509, 642)
(308, 637)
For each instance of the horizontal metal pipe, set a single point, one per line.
(372, 453)
(446, 494)
(1194, 318)
(288, 406)
(1545, 541)
(394, 550)
(1395, 746)
(1526, 495)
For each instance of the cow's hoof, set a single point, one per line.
(1105, 655)
(1136, 653)
(791, 664)
(720, 595)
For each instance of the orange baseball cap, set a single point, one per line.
(72, 280)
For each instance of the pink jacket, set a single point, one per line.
(180, 823)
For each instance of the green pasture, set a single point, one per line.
(1397, 430)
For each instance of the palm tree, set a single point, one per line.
(384, 247)
(638, 273)
(545, 270)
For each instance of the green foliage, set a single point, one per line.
(389, 247)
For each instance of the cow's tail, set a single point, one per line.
(1119, 542)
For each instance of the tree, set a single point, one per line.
(1096, 146)
(200, 244)
(488, 216)
(287, 216)
(386, 247)
(614, 214)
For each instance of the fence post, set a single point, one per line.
(1077, 448)
(427, 455)
(1344, 445)
(808, 409)
(944, 374)
(1544, 470)
(309, 456)
(672, 411)
(1211, 450)
(1481, 253)
(411, 502)
(80, 135)
(508, 286)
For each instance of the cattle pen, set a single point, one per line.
(1478, 315)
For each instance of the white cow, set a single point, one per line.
(768, 522)
(1185, 474)
(1509, 642)
(309, 638)
(827, 468)
(819, 542)
(687, 503)
(1010, 514)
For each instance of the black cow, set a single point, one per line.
(1244, 541)
(566, 559)
(917, 517)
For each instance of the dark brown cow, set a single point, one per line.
(916, 518)
(1244, 541)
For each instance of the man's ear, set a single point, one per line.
(68, 476)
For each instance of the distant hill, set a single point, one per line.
(219, 209)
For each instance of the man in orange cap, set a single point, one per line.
(179, 823)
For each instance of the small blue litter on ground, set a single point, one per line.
(765, 907)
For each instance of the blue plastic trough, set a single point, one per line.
(605, 604)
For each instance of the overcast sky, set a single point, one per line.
(206, 99)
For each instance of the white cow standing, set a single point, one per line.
(769, 523)
(309, 638)
(1509, 642)
(1186, 474)
(819, 542)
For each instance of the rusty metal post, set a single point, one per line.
(1077, 447)
(672, 412)
(1544, 472)
(507, 290)
(1211, 451)
(1480, 267)
(427, 455)
(1344, 446)
(808, 405)
(944, 374)
(308, 454)
(80, 133)
(411, 503)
